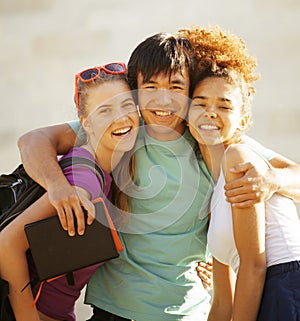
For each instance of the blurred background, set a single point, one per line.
(44, 43)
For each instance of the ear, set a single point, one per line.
(86, 124)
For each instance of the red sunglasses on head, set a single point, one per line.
(90, 74)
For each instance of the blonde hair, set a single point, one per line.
(84, 89)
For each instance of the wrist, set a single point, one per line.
(276, 180)
(53, 181)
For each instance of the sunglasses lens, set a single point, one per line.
(89, 74)
(115, 67)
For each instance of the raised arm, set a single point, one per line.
(258, 185)
(39, 149)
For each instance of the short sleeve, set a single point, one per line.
(267, 153)
(77, 128)
(83, 177)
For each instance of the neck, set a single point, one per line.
(163, 136)
(212, 155)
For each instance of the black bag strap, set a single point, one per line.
(77, 160)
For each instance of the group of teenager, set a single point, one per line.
(182, 182)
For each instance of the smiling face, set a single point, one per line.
(163, 102)
(215, 115)
(112, 120)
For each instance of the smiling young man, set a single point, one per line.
(163, 102)
(154, 278)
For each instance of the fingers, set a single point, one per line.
(62, 218)
(244, 200)
(248, 179)
(72, 216)
(80, 218)
(241, 168)
(70, 220)
(244, 204)
(68, 206)
(242, 194)
(206, 266)
(65, 217)
(90, 208)
(204, 271)
(246, 187)
(252, 188)
(243, 182)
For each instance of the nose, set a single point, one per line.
(163, 97)
(121, 114)
(210, 112)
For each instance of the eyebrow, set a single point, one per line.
(128, 99)
(199, 97)
(179, 82)
(220, 98)
(110, 104)
(175, 81)
(102, 107)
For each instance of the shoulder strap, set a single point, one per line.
(77, 160)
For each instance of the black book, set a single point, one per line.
(56, 253)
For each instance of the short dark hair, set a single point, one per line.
(162, 52)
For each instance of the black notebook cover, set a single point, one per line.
(55, 252)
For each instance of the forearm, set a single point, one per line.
(39, 156)
(287, 181)
(13, 262)
(248, 291)
(220, 312)
(223, 286)
(39, 149)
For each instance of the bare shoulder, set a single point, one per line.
(240, 154)
(237, 153)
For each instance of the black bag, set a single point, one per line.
(6, 313)
(17, 192)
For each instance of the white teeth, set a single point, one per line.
(209, 127)
(163, 113)
(122, 131)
